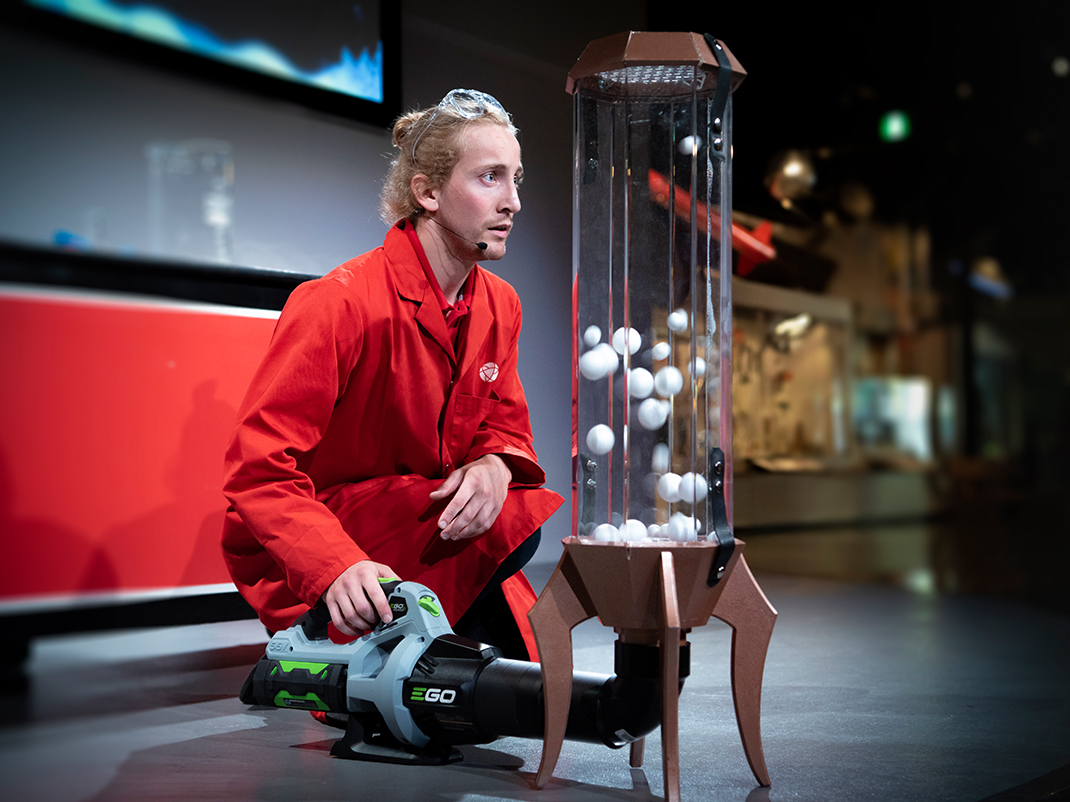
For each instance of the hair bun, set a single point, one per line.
(404, 125)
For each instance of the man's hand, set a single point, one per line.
(356, 600)
(478, 489)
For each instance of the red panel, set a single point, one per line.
(113, 421)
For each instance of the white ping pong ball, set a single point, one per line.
(600, 439)
(668, 381)
(640, 383)
(652, 414)
(626, 339)
(678, 320)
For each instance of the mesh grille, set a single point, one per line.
(650, 80)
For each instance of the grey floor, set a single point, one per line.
(871, 692)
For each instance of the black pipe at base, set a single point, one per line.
(612, 710)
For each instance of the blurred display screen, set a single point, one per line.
(333, 45)
(893, 415)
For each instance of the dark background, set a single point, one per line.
(986, 166)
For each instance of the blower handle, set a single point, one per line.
(315, 621)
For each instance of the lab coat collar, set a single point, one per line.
(412, 286)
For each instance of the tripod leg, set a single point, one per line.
(635, 753)
(745, 608)
(562, 605)
(670, 678)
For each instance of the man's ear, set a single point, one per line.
(426, 195)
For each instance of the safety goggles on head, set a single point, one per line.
(466, 103)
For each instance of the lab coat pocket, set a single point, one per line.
(464, 420)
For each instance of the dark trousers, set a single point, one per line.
(489, 619)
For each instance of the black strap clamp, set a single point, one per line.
(717, 518)
(720, 95)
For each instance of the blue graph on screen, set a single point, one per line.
(359, 76)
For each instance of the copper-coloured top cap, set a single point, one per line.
(649, 63)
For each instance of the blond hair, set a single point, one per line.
(430, 142)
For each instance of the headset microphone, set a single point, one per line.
(481, 245)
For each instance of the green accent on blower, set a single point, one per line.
(307, 702)
(417, 694)
(428, 603)
(311, 668)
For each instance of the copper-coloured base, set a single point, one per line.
(652, 593)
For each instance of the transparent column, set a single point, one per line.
(652, 316)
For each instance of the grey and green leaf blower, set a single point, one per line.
(414, 690)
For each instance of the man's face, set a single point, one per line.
(480, 197)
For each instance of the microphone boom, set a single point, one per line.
(481, 245)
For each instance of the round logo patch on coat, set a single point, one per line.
(489, 372)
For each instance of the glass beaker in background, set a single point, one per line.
(190, 199)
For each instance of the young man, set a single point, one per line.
(386, 432)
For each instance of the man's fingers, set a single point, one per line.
(356, 600)
(458, 522)
(354, 624)
(454, 516)
(374, 593)
(473, 521)
(343, 620)
(453, 481)
(466, 503)
(478, 493)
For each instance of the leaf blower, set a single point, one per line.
(413, 690)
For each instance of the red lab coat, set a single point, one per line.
(359, 410)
